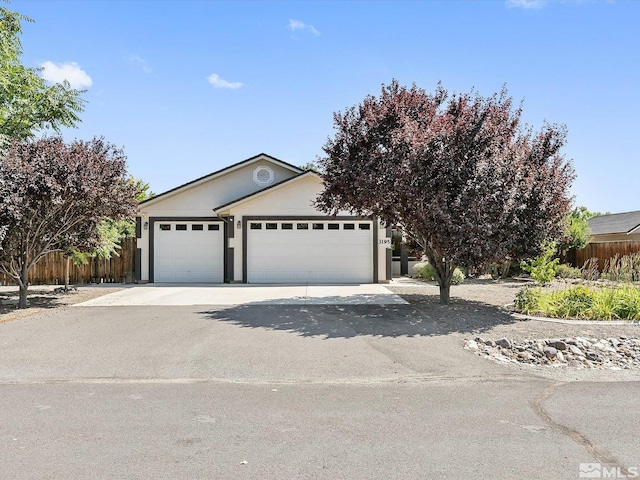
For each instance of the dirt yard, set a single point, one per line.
(43, 297)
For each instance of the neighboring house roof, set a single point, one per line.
(625, 222)
(210, 176)
(258, 193)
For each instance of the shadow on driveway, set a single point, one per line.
(347, 321)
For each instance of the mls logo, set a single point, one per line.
(597, 470)
(590, 470)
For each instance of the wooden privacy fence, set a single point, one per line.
(601, 251)
(50, 269)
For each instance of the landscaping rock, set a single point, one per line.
(575, 350)
(471, 345)
(621, 353)
(557, 344)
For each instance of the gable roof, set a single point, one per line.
(230, 168)
(625, 222)
(258, 193)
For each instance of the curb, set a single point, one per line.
(521, 316)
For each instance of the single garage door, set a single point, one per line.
(188, 252)
(309, 252)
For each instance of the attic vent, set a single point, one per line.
(263, 176)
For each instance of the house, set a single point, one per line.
(611, 235)
(616, 227)
(255, 222)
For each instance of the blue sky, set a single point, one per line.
(189, 87)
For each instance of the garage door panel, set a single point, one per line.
(189, 255)
(310, 256)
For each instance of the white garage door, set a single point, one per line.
(309, 252)
(188, 252)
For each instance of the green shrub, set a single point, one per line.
(418, 267)
(458, 277)
(626, 303)
(565, 271)
(581, 301)
(542, 268)
(545, 273)
(528, 299)
(575, 302)
(426, 271)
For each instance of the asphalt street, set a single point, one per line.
(289, 391)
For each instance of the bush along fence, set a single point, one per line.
(50, 269)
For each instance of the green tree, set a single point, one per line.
(310, 167)
(576, 228)
(111, 233)
(27, 103)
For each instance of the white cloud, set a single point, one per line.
(295, 25)
(536, 4)
(71, 72)
(139, 62)
(215, 80)
(526, 4)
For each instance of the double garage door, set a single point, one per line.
(290, 252)
(309, 252)
(188, 252)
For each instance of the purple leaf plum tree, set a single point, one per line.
(458, 172)
(53, 196)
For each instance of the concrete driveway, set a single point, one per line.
(217, 294)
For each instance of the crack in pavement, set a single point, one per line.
(579, 438)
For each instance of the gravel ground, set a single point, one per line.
(42, 297)
(478, 309)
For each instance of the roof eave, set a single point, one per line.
(199, 181)
(635, 229)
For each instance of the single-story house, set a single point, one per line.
(611, 235)
(255, 222)
(615, 227)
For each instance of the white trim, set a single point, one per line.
(635, 229)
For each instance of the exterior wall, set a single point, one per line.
(615, 237)
(292, 200)
(295, 199)
(396, 266)
(200, 200)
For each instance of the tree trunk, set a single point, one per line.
(22, 303)
(24, 285)
(444, 294)
(66, 273)
(443, 274)
(506, 266)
